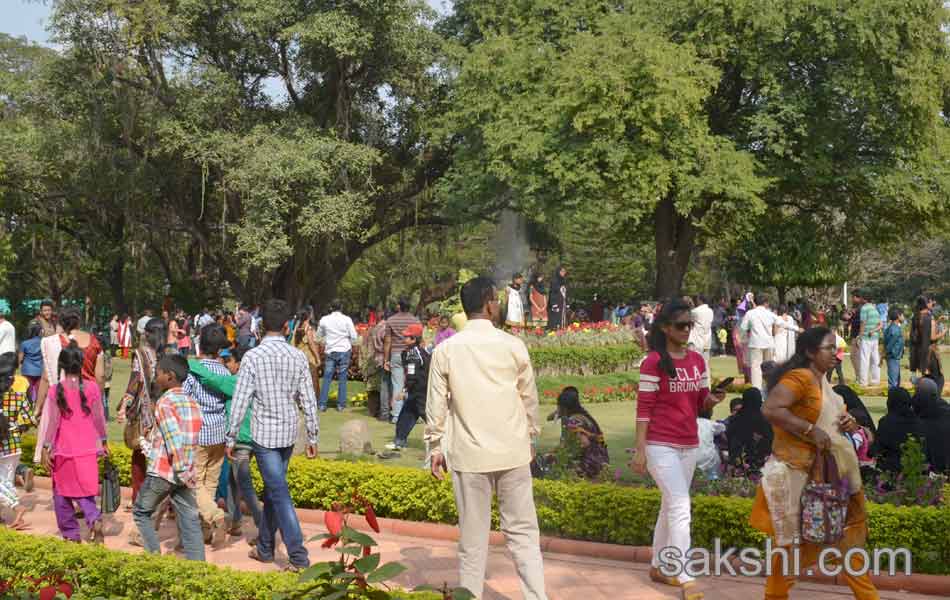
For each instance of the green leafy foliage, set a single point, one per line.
(96, 571)
(691, 120)
(588, 511)
(592, 360)
(154, 120)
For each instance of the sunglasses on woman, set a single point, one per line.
(682, 325)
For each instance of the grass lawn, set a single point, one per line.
(616, 418)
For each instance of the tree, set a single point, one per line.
(784, 252)
(609, 116)
(692, 117)
(271, 195)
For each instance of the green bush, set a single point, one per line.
(584, 360)
(588, 511)
(98, 572)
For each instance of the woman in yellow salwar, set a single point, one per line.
(807, 415)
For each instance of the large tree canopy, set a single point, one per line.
(269, 193)
(692, 117)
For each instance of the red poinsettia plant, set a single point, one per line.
(357, 573)
(37, 588)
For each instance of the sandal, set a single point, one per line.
(255, 555)
(658, 577)
(690, 591)
(97, 536)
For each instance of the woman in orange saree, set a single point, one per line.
(807, 415)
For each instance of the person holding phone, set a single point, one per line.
(674, 390)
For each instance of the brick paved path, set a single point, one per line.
(434, 562)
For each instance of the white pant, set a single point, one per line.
(757, 356)
(8, 465)
(519, 523)
(672, 469)
(870, 361)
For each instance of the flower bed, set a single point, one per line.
(553, 361)
(593, 512)
(594, 395)
(578, 334)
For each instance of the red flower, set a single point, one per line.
(48, 593)
(330, 542)
(334, 522)
(65, 589)
(371, 518)
(367, 551)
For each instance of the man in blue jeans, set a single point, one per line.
(394, 345)
(338, 334)
(894, 347)
(274, 376)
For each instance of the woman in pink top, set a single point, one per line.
(75, 438)
(184, 340)
(674, 389)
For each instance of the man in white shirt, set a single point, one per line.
(700, 337)
(759, 325)
(338, 334)
(204, 320)
(7, 333)
(485, 436)
(143, 321)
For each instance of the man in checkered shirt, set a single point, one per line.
(275, 380)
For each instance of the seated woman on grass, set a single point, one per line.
(582, 449)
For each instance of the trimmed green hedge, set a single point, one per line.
(593, 512)
(96, 571)
(584, 360)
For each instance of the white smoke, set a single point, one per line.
(513, 254)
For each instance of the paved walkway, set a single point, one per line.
(434, 562)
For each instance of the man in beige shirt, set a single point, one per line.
(481, 423)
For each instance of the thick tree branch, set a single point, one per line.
(285, 75)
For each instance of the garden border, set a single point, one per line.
(918, 583)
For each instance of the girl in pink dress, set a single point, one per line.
(74, 440)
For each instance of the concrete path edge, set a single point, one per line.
(918, 583)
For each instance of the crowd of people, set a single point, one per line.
(208, 393)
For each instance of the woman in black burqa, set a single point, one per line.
(935, 422)
(895, 427)
(749, 434)
(557, 300)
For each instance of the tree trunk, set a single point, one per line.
(299, 281)
(675, 237)
(117, 283)
(782, 291)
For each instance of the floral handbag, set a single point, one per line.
(824, 502)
